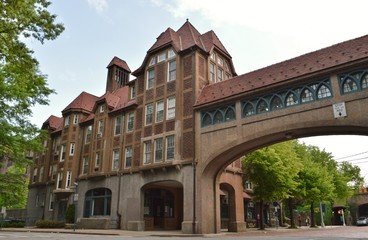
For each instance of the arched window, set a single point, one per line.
(248, 110)
(323, 92)
(276, 103)
(349, 85)
(206, 119)
(291, 99)
(230, 114)
(262, 106)
(218, 117)
(97, 202)
(307, 95)
(364, 82)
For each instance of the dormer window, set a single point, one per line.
(170, 53)
(102, 108)
(220, 61)
(67, 121)
(152, 61)
(161, 57)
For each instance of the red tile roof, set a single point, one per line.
(313, 62)
(185, 38)
(84, 101)
(53, 122)
(120, 63)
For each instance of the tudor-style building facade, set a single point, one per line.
(127, 158)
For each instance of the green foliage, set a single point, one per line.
(13, 224)
(49, 224)
(22, 86)
(70, 211)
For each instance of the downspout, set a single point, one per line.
(194, 164)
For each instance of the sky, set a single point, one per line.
(255, 33)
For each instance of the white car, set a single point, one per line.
(362, 221)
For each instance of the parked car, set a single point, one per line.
(362, 221)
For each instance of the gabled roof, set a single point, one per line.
(84, 102)
(120, 63)
(309, 63)
(185, 38)
(53, 122)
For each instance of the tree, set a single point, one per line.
(273, 171)
(22, 85)
(353, 174)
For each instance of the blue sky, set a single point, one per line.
(255, 33)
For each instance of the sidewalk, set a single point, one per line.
(117, 232)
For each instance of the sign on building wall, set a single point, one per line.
(339, 110)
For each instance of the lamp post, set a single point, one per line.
(75, 199)
(321, 210)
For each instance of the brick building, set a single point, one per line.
(128, 157)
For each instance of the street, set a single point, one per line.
(350, 232)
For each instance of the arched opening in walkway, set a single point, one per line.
(163, 205)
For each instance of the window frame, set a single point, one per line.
(130, 156)
(171, 71)
(160, 106)
(170, 146)
(156, 149)
(150, 79)
(148, 116)
(130, 121)
(115, 163)
(147, 152)
(170, 108)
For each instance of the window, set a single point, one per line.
(67, 121)
(54, 170)
(307, 96)
(171, 107)
(150, 79)
(51, 201)
(132, 92)
(60, 180)
(172, 71)
(276, 103)
(159, 111)
(97, 202)
(130, 121)
(170, 147)
(161, 57)
(262, 106)
(97, 160)
(72, 149)
(75, 120)
(100, 127)
(63, 149)
(118, 121)
(128, 157)
(349, 85)
(68, 179)
(212, 72)
(85, 165)
(149, 114)
(323, 92)
(102, 108)
(88, 134)
(152, 61)
(220, 61)
(220, 75)
(147, 152)
(158, 150)
(291, 99)
(115, 159)
(364, 82)
(213, 56)
(40, 175)
(170, 53)
(248, 110)
(34, 179)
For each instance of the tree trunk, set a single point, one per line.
(291, 213)
(313, 222)
(261, 223)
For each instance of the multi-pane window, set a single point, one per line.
(60, 180)
(68, 179)
(172, 71)
(115, 159)
(128, 157)
(152, 61)
(63, 150)
(170, 53)
(150, 78)
(149, 113)
(54, 170)
(158, 150)
(85, 165)
(118, 124)
(97, 202)
(100, 127)
(88, 133)
(51, 201)
(170, 147)
(97, 160)
(307, 96)
(132, 92)
(130, 121)
(161, 57)
(220, 61)
(212, 72)
(75, 119)
(323, 92)
(159, 111)
(102, 108)
(171, 107)
(72, 149)
(220, 75)
(67, 121)
(147, 152)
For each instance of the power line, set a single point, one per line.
(352, 155)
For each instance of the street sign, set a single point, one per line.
(75, 197)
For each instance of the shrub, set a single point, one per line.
(50, 224)
(70, 211)
(13, 224)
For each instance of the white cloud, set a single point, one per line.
(98, 5)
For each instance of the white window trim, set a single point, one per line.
(148, 79)
(115, 158)
(167, 145)
(169, 71)
(68, 179)
(145, 153)
(168, 108)
(128, 121)
(162, 103)
(72, 149)
(147, 113)
(126, 156)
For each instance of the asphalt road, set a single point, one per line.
(328, 233)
